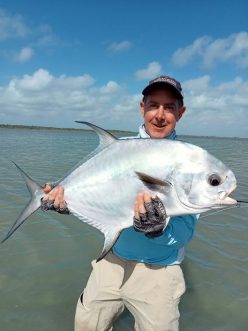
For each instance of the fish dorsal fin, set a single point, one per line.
(152, 181)
(105, 137)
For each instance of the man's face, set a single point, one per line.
(161, 111)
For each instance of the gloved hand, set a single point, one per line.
(54, 200)
(150, 215)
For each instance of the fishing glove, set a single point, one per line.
(49, 204)
(153, 221)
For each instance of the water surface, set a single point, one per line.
(46, 263)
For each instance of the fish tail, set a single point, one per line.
(34, 203)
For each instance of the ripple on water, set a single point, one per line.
(47, 262)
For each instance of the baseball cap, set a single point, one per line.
(162, 81)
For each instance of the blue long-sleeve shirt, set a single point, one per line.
(166, 249)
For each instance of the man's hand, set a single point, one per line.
(54, 199)
(149, 214)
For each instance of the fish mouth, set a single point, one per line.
(228, 201)
(224, 201)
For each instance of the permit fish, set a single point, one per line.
(102, 188)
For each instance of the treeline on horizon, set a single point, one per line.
(35, 127)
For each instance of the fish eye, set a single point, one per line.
(214, 180)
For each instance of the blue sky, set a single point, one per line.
(62, 61)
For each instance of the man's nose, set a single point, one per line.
(160, 112)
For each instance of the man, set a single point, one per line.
(142, 272)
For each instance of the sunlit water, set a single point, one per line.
(46, 263)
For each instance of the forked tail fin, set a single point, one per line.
(36, 192)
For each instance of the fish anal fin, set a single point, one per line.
(151, 181)
(110, 239)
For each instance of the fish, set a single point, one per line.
(101, 189)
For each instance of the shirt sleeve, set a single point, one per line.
(178, 232)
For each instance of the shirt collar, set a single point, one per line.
(143, 134)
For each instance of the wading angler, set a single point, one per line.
(161, 186)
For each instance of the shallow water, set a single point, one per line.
(46, 263)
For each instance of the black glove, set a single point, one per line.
(49, 205)
(153, 221)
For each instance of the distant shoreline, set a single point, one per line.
(36, 127)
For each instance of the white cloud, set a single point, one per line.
(25, 54)
(234, 48)
(153, 70)
(46, 37)
(219, 110)
(183, 56)
(120, 46)
(12, 26)
(44, 99)
(110, 87)
(38, 81)
(58, 101)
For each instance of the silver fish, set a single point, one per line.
(101, 190)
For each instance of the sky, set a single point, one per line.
(62, 61)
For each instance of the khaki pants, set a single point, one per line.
(151, 293)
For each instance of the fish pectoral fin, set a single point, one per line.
(152, 182)
(111, 237)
